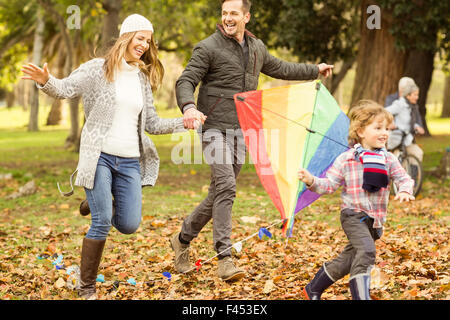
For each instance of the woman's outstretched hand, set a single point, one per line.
(40, 75)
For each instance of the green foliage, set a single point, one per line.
(16, 16)
(16, 22)
(11, 63)
(179, 25)
(315, 30)
(417, 24)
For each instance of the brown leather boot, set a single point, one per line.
(84, 208)
(91, 254)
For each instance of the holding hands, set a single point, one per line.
(40, 75)
(305, 176)
(192, 118)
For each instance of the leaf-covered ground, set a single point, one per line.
(412, 256)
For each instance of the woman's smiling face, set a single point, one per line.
(138, 45)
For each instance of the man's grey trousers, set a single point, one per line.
(225, 154)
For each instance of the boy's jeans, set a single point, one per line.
(358, 256)
(121, 178)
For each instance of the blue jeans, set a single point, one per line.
(121, 178)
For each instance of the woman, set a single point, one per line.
(116, 157)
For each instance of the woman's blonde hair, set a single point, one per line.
(149, 63)
(361, 115)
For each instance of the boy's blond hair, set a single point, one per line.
(361, 115)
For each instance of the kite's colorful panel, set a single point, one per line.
(275, 122)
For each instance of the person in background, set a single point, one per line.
(402, 83)
(407, 121)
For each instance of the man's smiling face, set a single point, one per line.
(234, 19)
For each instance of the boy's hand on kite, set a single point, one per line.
(404, 196)
(305, 176)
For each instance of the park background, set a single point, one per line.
(39, 139)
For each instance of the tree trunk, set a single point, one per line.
(379, 63)
(22, 93)
(111, 21)
(55, 115)
(70, 56)
(38, 45)
(10, 99)
(420, 66)
(74, 122)
(338, 77)
(73, 104)
(446, 103)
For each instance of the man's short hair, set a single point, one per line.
(246, 5)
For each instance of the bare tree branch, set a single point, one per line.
(49, 6)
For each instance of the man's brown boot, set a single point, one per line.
(227, 271)
(181, 254)
(91, 254)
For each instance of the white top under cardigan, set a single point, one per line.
(122, 139)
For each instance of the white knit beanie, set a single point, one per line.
(135, 22)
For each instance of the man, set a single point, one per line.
(402, 83)
(227, 62)
(407, 121)
(409, 115)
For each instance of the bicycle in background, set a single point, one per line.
(411, 164)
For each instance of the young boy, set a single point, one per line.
(364, 172)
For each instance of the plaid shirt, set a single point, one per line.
(349, 172)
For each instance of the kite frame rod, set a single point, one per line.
(302, 125)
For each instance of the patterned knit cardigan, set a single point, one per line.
(98, 97)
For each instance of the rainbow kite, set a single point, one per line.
(290, 127)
